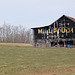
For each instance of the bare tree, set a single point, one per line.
(15, 34)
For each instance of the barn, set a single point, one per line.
(60, 33)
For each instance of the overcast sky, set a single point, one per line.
(32, 13)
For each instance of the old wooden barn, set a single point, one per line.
(60, 33)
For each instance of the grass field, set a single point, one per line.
(21, 59)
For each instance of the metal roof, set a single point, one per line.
(73, 19)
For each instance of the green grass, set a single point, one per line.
(21, 59)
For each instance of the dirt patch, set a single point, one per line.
(50, 72)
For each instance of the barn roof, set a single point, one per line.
(71, 18)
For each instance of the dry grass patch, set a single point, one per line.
(21, 59)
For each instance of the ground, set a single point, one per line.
(23, 59)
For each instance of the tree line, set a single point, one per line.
(15, 34)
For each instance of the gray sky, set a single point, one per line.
(32, 13)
